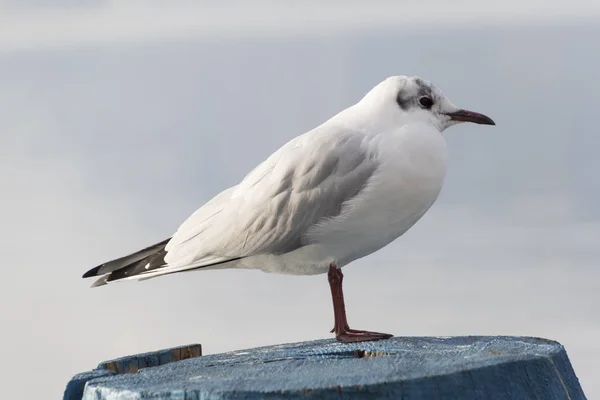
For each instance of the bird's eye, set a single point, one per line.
(426, 102)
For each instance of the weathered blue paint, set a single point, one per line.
(466, 368)
(74, 389)
(129, 364)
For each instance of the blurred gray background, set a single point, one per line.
(118, 120)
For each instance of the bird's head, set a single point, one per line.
(405, 99)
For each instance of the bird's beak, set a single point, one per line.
(470, 116)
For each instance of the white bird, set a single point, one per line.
(337, 193)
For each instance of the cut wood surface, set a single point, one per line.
(415, 368)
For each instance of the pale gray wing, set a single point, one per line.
(307, 180)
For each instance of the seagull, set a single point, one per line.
(332, 195)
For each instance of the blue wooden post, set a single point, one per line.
(415, 368)
(129, 365)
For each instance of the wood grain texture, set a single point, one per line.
(129, 365)
(132, 364)
(415, 368)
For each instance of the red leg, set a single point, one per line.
(343, 333)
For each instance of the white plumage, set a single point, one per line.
(326, 198)
(334, 194)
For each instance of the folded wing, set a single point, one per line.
(309, 179)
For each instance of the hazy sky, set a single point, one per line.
(117, 122)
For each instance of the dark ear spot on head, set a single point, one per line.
(403, 100)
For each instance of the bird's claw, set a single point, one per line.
(353, 335)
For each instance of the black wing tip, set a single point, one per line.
(92, 272)
(117, 264)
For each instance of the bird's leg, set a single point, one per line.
(339, 308)
(343, 333)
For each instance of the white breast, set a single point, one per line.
(409, 180)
